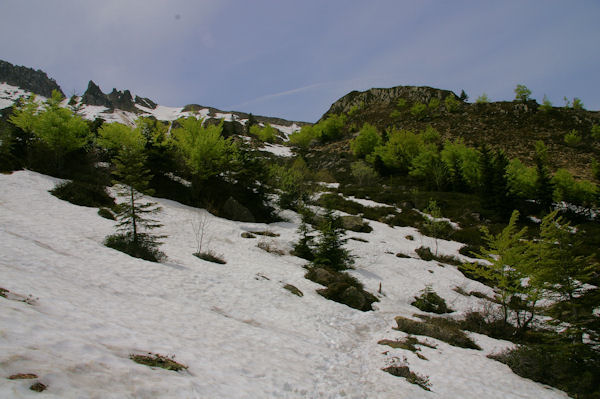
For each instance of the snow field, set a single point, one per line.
(239, 332)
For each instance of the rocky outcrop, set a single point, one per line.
(114, 100)
(28, 79)
(94, 96)
(422, 94)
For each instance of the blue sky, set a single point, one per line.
(293, 59)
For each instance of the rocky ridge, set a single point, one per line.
(28, 79)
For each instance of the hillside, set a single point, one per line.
(75, 311)
(512, 126)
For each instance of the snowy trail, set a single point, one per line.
(241, 334)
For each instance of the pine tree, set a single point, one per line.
(330, 251)
(544, 189)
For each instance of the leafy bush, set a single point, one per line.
(572, 138)
(266, 134)
(546, 104)
(596, 132)
(522, 93)
(368, 138)
(577, 103)
(419, 111)
(363, 173)
(436, 327)
(84, 194)
(482, 99)
(145, 247)
(452, 104)
(429, 301)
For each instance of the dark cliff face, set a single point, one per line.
(122, 100)
(28, 79)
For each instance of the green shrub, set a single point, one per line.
(451, 103)
(363, 173)
(106, 214)
(482, 99)
(573, 368)
(84, 194)
(572, 138)
(145, 247)
(430, 301)
(522, 93)
(436, 327)
(577, 103)
(546, 104)
(401, 103)
(596, 132)
(368, 138)
(419, 111)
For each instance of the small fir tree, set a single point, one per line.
(330, 251)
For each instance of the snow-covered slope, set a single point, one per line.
(241, 334)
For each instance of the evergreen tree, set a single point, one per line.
(544, 189)
(563, 274)
(330, 251)
(463, 96)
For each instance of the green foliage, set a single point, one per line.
(401, 103)
(429, 167)
(482, 99)
(507, 262)
(144, 247)
(572, 139)
(577, 103)
(543, 184)
(304, 138)
(562, 273)
(452, 104)
(438, 328)
(419, 111)
(266, 134)
(330, 251)
(116, 136)
(521, 179)
(399, 151)
(83, 194)
(430, 301)
(355, 108)
(57, 128)
(331, 128)
(463, 96)
(433, 106)
(431, 136)
(595, 169)
(364, 144)
(206, 153)
(364, 174)
(571, 367)
(304, 247)
(462, 163)
(578, 192)
(293, 182)
(395, 114)
(546, 104)
(596, 132)
(522, 93)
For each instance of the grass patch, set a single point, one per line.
(266, 233)
(156, 360)
(83, 194)
(437, 327)
(294, 290)
(426, 254)
(270, 247)
(145, 248)
(210, 256)
(341, 287)
(409, 343)
(413, 378)
(430, 301)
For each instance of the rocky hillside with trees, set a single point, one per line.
(28, 79)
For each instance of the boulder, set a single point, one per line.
(233, 210)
